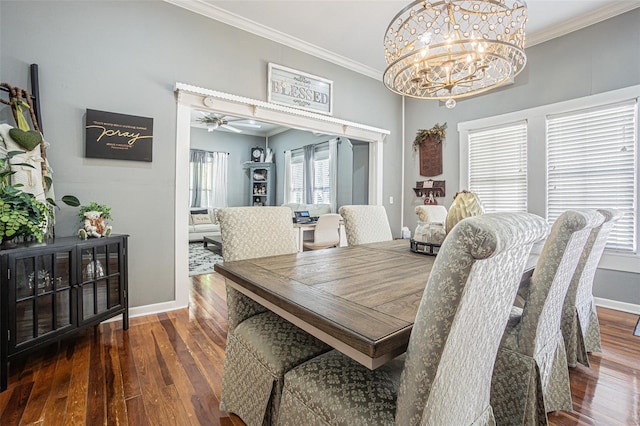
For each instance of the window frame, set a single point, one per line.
(536, 158)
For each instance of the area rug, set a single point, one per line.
(636, 332)
(201, 260)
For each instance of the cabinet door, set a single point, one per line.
(100, 290)
(40, 286)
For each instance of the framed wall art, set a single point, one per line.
(118, 136)
(300, 90)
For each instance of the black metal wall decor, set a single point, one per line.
(118, 136)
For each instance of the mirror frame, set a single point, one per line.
(190, 97)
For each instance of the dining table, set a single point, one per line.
(361, 300)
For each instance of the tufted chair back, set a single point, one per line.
(580, 327)
(251, 232)
(365, 224)
(449, 361)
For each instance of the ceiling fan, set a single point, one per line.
(213, 122)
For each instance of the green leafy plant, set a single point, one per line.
(437, 133)
(21, 214)
(93, 206)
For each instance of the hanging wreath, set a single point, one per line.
(436, 133)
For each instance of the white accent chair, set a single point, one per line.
(326, 233)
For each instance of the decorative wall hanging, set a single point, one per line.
(118, 136)
(300, 90)
(428, 190)
(428, 143)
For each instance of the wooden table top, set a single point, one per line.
(361, 300)
(365, 296)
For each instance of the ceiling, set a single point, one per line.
(350, 32)
(265, 129)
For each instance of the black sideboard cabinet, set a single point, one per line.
(50, 290)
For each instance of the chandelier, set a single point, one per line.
(451, 49)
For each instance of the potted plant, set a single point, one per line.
(21, 214)
(93, 216)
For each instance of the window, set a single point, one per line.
(320, 182)
(591, 163)
(498, 167)
(296, 190)
(580, 153)
(321, 178)
(208, 179)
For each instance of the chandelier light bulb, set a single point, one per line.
(451, 103)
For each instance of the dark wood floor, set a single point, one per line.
(166, 370)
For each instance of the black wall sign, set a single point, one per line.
(118, 136)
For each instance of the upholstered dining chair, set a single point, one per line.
(326, 233)
(261, 346)
(444, 377)
(365, 224)
(530, 377)
(580, 327)
(465, 204)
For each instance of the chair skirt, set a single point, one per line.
(581, 332)
(259, 352)
(334, 390)
(525, 388)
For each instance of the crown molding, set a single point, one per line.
(201, 7)
(598, 15)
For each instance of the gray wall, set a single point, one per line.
(360, 172)
(126, 57)
(599, 58)
(239, 148)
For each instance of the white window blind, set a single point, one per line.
(591, 163)
(498, 167)
(321, 180)
(296, 192)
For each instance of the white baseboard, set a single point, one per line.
(157, 308)
(617, 305)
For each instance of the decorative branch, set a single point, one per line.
(437, 133)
